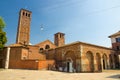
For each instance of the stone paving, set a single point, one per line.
(17, 74)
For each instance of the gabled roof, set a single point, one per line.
(115, 34)
(44, 42)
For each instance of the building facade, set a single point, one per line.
(74, 57)
(115, 41)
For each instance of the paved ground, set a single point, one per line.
(15, 74)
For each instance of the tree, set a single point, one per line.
(3, 38)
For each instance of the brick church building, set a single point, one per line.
(74, 57)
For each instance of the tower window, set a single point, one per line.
(41, 49)
(26, 14)
(23, 13)
(61, 35)
(47, 47)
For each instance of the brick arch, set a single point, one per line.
(90, 61)
(71, 55)
(98, 62)
(41, 49)
(104, 61)
(47, 46)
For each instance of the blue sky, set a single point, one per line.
(90, 21)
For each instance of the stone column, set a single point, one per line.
(119, 60)
(81, 55)
(102, 63)
(108, 64)
(7, 58)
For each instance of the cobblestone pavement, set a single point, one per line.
(17, 74)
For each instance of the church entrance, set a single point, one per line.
(69, 66)
(70, 61)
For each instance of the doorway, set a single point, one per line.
(103, 64)
(1, 61)
(69, 66)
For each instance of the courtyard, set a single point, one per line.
(17, 74)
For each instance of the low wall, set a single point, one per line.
(23, 64)
(31, 64)
(46, 64)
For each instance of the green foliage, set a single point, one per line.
(3, 38)
(2, 23)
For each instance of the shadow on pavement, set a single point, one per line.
(115, 76)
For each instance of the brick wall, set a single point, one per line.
(44, 43)
(23, 64)
(35, 54)
(77, 52)
(45, 64)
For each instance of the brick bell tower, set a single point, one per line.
(59, 39)
(23, 31)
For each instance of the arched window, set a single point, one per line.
(26, 14)
(47, 47)
(23, 13)
(41, 49)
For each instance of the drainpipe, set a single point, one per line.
(7, 58)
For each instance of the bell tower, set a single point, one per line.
(23, 31)
(59, 39)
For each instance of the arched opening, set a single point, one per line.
(90, 59)
(69, 64)
(26, 14)
(47, 47)
(104, 61)
(116, 60)
(70, 60)
(23, 13)
(98, 62)
(41, 50)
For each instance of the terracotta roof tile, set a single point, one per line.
(15, 45)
